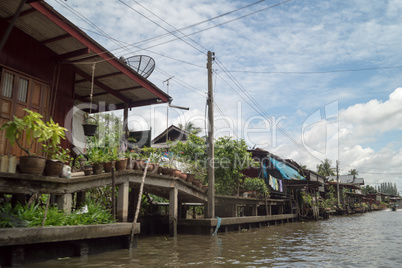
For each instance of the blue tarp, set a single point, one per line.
(286, 171)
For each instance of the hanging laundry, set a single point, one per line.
(264, 170)
(271, 183)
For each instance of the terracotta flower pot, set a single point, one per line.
(190, 178)
(97, 168)
(32, 164)
(53, 168)
(139, 164)
(183, 176)
(166, 170)
(108, 166)
(175, 173)
(197, 182)
(155, 168)
(87, 171)
(121, 164)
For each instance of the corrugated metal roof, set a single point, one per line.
(116, 83)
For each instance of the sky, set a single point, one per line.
(303, 79)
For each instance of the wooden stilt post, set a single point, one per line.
(173, 209)
(122, 202)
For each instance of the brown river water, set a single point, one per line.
(372, 239)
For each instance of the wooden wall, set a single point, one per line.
(25, 57)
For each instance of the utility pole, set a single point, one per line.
(210, 159)
(167, 109)
(337, 182)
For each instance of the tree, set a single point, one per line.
(368, 189)
(325, 169)
(190, 127)
(353, 172)
(231, 157)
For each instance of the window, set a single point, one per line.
(23, 90)
(8, 82)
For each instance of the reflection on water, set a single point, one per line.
(367, 240)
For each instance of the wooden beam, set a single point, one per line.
(72, 54)
(99, 77)
(110, 58)
(103, 86)
(54, 39)
(23, 13)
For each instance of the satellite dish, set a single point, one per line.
(143, 65)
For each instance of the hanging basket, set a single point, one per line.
(89, 126)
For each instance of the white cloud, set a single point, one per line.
(299, 36)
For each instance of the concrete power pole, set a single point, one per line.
(337, 183)
(211, 167)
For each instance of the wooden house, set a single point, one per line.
(173, 134)
(49, 65)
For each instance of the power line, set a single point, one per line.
(220, 24)
(256, 107)
(193, 25)
(202, 52)
(323, 72)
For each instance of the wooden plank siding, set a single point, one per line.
(49, 84)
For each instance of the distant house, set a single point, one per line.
(347, 179)
(49, 65)
(352, 192)
(172, 134)
(279, 174)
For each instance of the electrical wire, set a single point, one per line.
(323, 72)
(172, 33)
(255, 106)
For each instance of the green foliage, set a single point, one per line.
(95, 151)
(193, 149)
(108, 124)
(388, 188)
(102, 196)
(331, 199)
(368, 189)
(193, 154)
(231, 157)
(307, 199)
(190, 127)
(32, 216)
(57, 153)
(32, 129)
(353, 172)
(325, 169)
(255, 184)
(154, 154)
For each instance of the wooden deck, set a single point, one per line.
(177, 191)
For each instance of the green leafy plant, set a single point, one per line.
(255, 184)
(32, 216)
(57, 153)
(32, 128)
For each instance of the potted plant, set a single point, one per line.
(255, 185)
(119, 158)
(27, 131)
(89, 126)
(96, 156)
(56, 159)
(87, 168)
